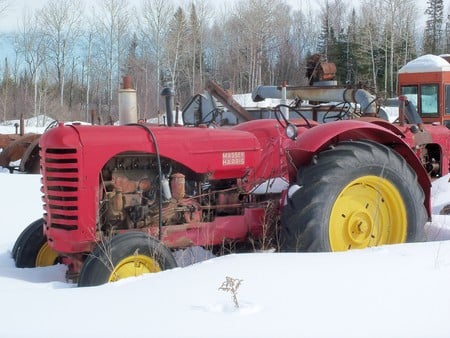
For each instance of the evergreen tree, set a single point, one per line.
(326, 34)
(355, 53)
(176, 67)
(4, 90)
(447, 35)
(195, 54)
(132, 67)
(433, 28)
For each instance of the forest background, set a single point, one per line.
(67, 58)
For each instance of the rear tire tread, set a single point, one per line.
(306, 214)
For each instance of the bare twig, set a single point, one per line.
(232, 285)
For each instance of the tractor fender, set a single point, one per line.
(15, 150)
(30, 159)
(312, 141)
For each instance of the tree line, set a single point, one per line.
(68, 59)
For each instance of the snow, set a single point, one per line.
(32, 125)
(389, 113)
(389, 291)
(245, 100)
(425, 64)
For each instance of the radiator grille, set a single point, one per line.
(60, 178)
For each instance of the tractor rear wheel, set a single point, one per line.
(125, 255)
(31, 248)
(356, 195)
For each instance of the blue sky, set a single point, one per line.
(17, 7)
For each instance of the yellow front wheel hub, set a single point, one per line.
(133, 266)
(368, 212)
(46, 256)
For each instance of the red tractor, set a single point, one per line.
(119, 200)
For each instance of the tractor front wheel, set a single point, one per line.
(356, 195)
(125, 255)
(31, 248)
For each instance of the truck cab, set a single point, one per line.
(425, 81)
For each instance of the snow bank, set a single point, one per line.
(384, 292)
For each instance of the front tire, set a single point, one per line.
(125, 255)
(356, 195)
(31, 248)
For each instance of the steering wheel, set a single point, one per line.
(281, 118)
(344, 112)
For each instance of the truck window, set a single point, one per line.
(429, 99)
(411, 93)
(447, 99)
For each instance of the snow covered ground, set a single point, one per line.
(390, 291)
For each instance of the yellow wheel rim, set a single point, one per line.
(46, 256)
(368, 212)
(133, 266)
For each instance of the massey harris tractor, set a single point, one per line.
(120, 200)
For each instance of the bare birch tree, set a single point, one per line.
(371, 40)
(198, 20)
(86, 71)
(113, 29)
(397, 15)
(305, 31)
(253, 42)
(4, 6)
(60, 21)
(259, 23)
(6, 76)
(387, 32)
(4, 90)
(154, 27)
(31, 44)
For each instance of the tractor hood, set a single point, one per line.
(220, 153)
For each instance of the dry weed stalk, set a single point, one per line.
(231, 285)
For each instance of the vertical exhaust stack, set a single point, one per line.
(284, 109)
(167, 92)
(127, 103)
